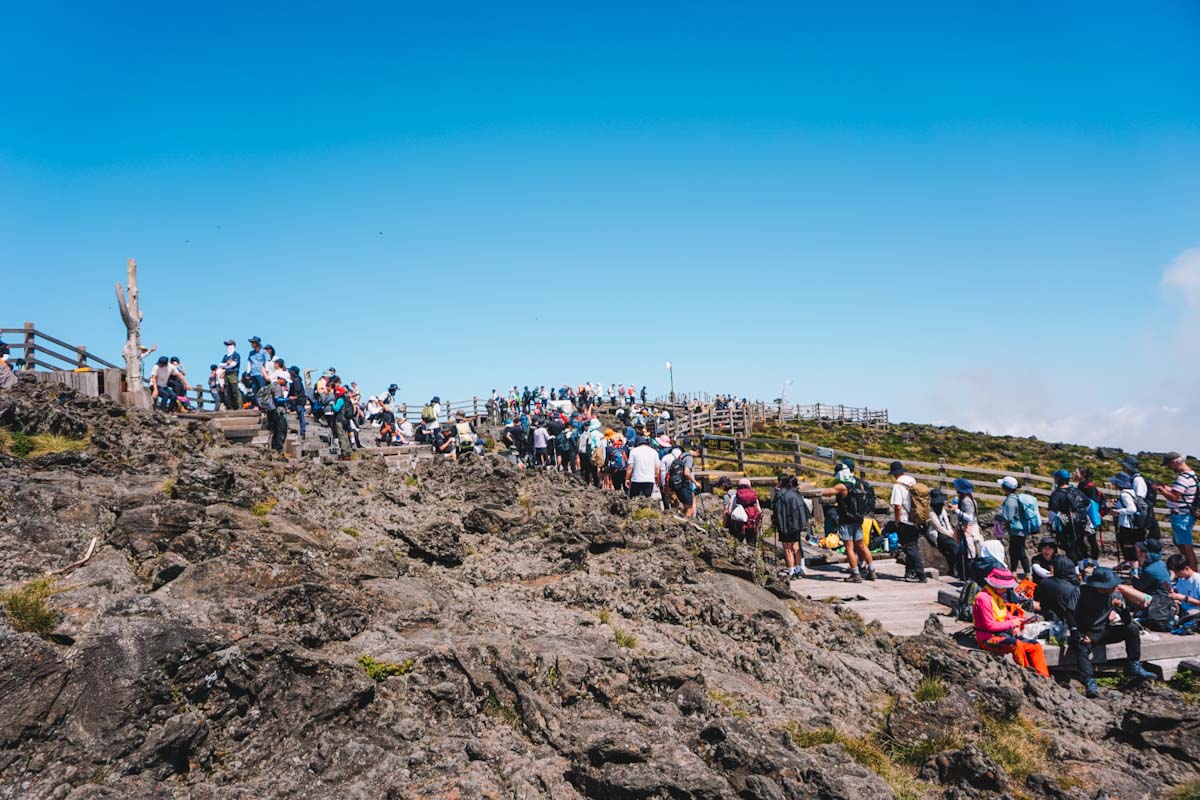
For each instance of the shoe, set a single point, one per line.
(923, 578)
(853, 577)
(1091, 689)
(912, 579)
(1138, 674)
(870, 575)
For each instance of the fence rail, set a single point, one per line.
(37, 353)
(797, 456)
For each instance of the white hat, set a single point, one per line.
(281, 373)
(1008, 482)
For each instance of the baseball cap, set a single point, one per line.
(256, 339)
(230, 341)
(1008, 482)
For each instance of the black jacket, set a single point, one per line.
(791, 514)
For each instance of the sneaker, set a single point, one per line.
(913, 579)
(1138, 674)
(853, 577)
(870, 575)
(1091, 689)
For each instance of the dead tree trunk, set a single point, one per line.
(131, 315)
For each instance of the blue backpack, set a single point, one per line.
(616, 458)
(1028, 519)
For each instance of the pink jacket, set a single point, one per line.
(986, 624)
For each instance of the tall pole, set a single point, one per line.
(671, 375)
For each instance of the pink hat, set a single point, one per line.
(744, 482)
(665, 441)
(1001, 579)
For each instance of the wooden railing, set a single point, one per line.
(794, 456)
(36, 352)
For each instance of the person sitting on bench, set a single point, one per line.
(998, 623)
(1096, 622)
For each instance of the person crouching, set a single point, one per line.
(998, 622)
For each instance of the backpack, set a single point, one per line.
(264, 398)
(427, 414)
(597, 457)
(860, 501)
(677, 473)
(466, 437)
(746, 496)
(1030, 517)
(919, 495)
(616, 458)
(1141, 516)
(562, 442)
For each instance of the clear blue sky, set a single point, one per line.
(962, 212)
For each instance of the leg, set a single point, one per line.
(1030, 655)
(301, 420)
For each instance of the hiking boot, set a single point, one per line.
(1138, 674)
(914, 579)
(870, 575)
(1091, 689)
(853, 577)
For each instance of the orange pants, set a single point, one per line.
(1026, 654)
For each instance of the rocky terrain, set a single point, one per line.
(250, 627)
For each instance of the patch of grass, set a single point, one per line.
(1109, 682)
(729, 703)
(645, 512)
(263, 508)
(1186, 683)
(1185, 791)
(605, 615)
(379, 670)
(1017, 745)
(20, 445)
(929, 690)
(48, 443)
(805, 614)
(624, 638)
(505, 713)
(866, 751)
(351, 532)
(168, 487)
(27, 610)
(525, 502)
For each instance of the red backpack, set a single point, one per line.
(746, 496)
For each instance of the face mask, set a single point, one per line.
(229, 348)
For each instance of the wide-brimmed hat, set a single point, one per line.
(963, 485)
(1102, 578)
(665, 441)
(1121, 481)
(1001, 579)
(255, 340)
(1151, 545)
(743, 482)
(896, 469)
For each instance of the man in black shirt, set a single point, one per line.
(1098, 622)
(1058, 595)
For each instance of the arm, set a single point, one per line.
(987, 617)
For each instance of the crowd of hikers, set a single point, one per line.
(1061, 595)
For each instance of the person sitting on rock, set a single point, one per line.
(1096, 622)
(1057, 595)
(1150, 592)
(1043, 562)
(997, 623)
(940, 532)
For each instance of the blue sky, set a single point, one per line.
(962, 212)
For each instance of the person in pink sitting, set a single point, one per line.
(997, 624)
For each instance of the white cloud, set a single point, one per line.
(1184, 274)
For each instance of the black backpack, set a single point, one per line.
(264, 398)
(562, 441)
(1149, 527)
(860, 501)
(677, 473)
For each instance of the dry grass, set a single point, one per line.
(729, 703)
(645, 512)
(1017, 745)
(1185, 791)
(263, 508)
(624, 638)
(866, 751)
(604, 615)
(23, 445)
(929, 690)
(27, 610)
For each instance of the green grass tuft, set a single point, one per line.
(412, 480)
(1185, 791)
(27, 610)
(930, 690)
(505, 713)
(351, 532)
(729, 703)
(1017, 745)
(624, 639)
(605, 615)
(380, 670)
(645, 512)
(263, 508)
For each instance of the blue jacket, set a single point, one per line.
(237, 362)
(255, 360)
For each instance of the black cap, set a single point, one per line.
(393, 388)
(254, 339)
(163, 361)
(1048, 541)
(212, 366)
(896, 469)
(230, 341)
(1151, 546)
(174, 359)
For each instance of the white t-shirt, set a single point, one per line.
(541, 439)
(901, 496)
(643, 459)
(667, 460)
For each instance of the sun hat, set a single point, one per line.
(1151, 545)
(963, 485)
(1121, 481)
(664, 440)
(1102, 578)
(896, 469)
(1061, 476)
(1008, 482)
(1129, 461)
(1001, 579)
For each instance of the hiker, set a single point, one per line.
(1186, 588)
(1017, 518)
(1070, 515)
(338, 411)
(464, 433)
(998, 623)
(1142, 489)
(617, 463)
(1085, 484)
(1043, 562)
(566, 442)
(216, 385)
(160, 390)
(906, 530)
(855, 500)
(682, 479)
(255, 361)
(277, 413)
(298, 399)
(1130, 513)
(231, 364)
(643, 470)
(669, 454)
(594, 452)
(541, 444)
(1150, 589)
(1057, 594)
(1091, 626)
(8, 379)
(743, 517)
(969, 535)
(442, 442)
(941, 533)
(791, 519)
(1181, 502)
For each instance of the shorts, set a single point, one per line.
(684, 493)
(851, 533)
(789, 538)
(1181, 528)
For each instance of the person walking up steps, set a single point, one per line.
(907, 523)
(855, 500)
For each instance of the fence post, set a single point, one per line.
(29, 347)
(942, 470)
(1025, 478)
(703, 453)
(80, 356)
(741, 455)
(797, 465)
(474, 407)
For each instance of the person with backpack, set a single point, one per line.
(998, 624)
(565, 442)
(1090, 626)
(541, 445)
(792, 520)
(1018, 518)
(1085, 484)
(337, 411)
(616, 463)
(743, 517)
(908, 522)
(594, 453)
(683, 480)
(1070, 516)
(1141, 488)
(1130, 513)
(855, 500)
(970, 538)
(464, 433)
(298, 399)
(642, 472)
(277, 412)
(1183, 502)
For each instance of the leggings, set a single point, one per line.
(1017, 554)
(1028, 655)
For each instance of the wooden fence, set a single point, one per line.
(795, 456)
(37, 352)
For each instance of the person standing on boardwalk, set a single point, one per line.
(232, 364)
(1181, 496)
(855, 502)
(1015, 517)
(906, 531)
(791, 520)
(255, 362)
